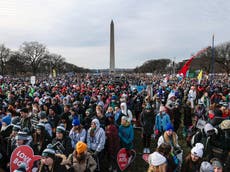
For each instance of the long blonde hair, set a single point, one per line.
(160, 168)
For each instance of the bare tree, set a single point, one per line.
(16, 63)
(223, 56)
(34, 54)
(4, 56)
(55, 61)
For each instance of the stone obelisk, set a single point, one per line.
(112, 51)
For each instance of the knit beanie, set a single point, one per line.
(22, 135)
(81, 147)
(49, 151)
(16, 127)
(156, 159)
(217, 163)
(206, 167)
(60, 129)
(6, 119)
(197, 150)
(169, 127)
(40, 126)
(75, 122)
(21, 168)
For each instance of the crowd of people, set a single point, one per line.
(76, 123)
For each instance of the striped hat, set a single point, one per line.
(49, 151)
(60, 129)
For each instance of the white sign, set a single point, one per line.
(32, 80)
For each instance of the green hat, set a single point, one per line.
(49, 151)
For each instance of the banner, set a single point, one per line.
(54, 73)
(145, 157)
(199, 77)
(23, 154)
(186, 66)
(123, 159)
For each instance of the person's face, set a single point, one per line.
(169, 132)
(123, 121)
(93, 125)
(38, 131)
(217, 169)
(20, 142)
(51, 112)
(66, 109)
(47, 161)
(194, 158)
(59, 135)
(76, 128)
(23, 114)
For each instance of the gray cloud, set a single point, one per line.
(79, 30)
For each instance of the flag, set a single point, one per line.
(186, 66)
(199, 77)
(54, 73)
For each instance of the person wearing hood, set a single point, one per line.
(6, 128)
(126, 111)
(96, 140)
(147, 121)
(126, 134)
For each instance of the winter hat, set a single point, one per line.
(21, 168)
(162, 108)
(16, 127)
(81, 147)
(216, 163)
(49, 151)
(60, 129)
(42, 115)
(22, 135)
(208, 128)
(224, 125)
(206, 167)
(40, 126)
(169, 127)
(156, 159)
(197, 150)
(6, 119)
(75, 122)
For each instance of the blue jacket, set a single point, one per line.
(126, 135)
(162, 121)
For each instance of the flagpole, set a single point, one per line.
(213, 59)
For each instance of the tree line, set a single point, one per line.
(33, 58)
(204, 61)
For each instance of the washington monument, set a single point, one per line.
(112, 51)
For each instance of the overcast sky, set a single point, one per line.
(144, 29)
